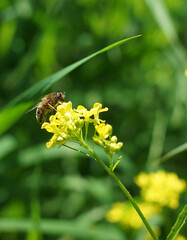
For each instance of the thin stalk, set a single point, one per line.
(86, 131)
(123, 188)
(172, 153)
(94, 156)
(131, 199)
(74, 149)
(111, 163)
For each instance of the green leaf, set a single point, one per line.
(115, 165)
(46, 83)
(178, 225)
(172, 153)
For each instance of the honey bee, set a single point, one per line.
(48, 103)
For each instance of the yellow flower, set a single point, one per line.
(104, 130)
(91, 116)
(125, 214)
(180, 237)
(104, 138)
(65, 124)
(83, 112)
(56, 140)
(113, 146)
(116, 213)
(65, 112)
(185, 73)
(97, 108)
(161, 187)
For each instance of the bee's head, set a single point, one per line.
(60, 96)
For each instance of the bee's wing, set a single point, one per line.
(32, 109)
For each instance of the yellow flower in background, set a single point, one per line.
(161, 187)
(180, 237)
(125, 214)
(157, 231)
(116, 213)
(185, 73)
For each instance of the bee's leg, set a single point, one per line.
(60, 102)
(44, 119)
(52, 107)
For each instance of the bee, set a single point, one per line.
(48, 103)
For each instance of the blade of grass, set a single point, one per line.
(178, 225)
(46, 83)
(172, 153)
(158, 138)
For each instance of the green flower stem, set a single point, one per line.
(122, 187)
(131, 199)
(178, 225)
(94, 156)
(74, 149)
(86, 131)
(111, 163)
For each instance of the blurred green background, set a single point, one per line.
(58, 193)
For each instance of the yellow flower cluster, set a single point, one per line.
(125, 214)
(161, 187)
(157, 190)
(67, 124)
(185, 73)
(180, 237)
(105, 139)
